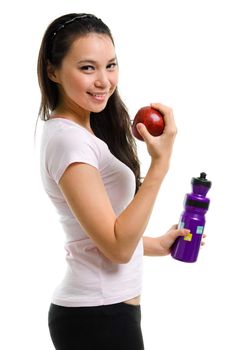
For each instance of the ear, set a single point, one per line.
(52, 73)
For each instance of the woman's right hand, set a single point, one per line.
(160, 147)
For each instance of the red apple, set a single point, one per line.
(151, 118)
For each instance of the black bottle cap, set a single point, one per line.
(201, 180)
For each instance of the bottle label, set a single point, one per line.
(188, 237)
(200, 230)
(181, 225)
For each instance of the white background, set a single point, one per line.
(174, 52)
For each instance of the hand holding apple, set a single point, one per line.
(151, 118)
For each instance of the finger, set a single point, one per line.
(144, 132)
(168, 116)
(162, 108)
(179, 232)
(203, 242)
(184, 232)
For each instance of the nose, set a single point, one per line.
(102, 79)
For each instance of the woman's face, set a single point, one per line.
(88, 75)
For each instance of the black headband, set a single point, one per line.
(61, 26)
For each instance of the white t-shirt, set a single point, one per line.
(91, 279)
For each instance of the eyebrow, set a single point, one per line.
(94, 62)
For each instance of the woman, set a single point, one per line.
(90, 171)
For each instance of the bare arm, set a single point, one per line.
(117, 237)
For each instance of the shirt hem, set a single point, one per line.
(95, 302)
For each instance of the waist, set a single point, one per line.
(92, 279)
(133, 301)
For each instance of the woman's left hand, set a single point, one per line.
(166, 241)
(160, 246)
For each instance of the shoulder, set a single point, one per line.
(60, 130)
(63, 134)
(66, 143)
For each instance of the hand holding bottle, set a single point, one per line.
(196, 204)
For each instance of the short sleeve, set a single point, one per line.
(70, 146)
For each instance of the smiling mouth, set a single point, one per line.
(98, 96)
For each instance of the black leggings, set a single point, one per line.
(109, 327)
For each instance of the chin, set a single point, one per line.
(98, 109)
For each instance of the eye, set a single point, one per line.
(111, 66)
(87, 68)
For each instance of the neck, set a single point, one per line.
(76, 115)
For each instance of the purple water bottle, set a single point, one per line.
(196, 204)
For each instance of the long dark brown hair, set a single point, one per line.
(112, 125)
